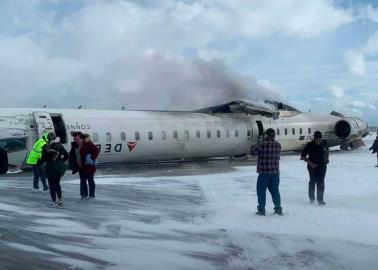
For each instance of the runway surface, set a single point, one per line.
(194, 216)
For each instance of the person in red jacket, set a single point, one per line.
(88, 154)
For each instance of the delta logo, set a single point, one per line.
(131, 146)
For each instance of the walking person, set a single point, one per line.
(316, 155)
(55, 157)
(374, 147)
(34, 159)
(89, 153)
(3, 161)
(268, 151)
(74, 161)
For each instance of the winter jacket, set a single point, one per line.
(55, 157)
(34, 156)
(72, 160)
(89, 153)
(3, 161)
(374, 147)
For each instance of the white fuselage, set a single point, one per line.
(144, 136)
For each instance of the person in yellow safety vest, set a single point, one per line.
(34, 159)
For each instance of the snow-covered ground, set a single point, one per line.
(197, 219)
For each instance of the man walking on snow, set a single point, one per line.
(316, 155)
(268, 167)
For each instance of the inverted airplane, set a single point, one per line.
(152, 136)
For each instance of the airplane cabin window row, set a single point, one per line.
(293, 131)
(175, 135)
(186, 134)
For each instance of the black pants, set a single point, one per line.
(55, 189)
(39, 173)
(317, 176)
(84, 179)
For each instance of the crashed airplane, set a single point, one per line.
(152, 136)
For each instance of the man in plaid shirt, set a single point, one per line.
(268, 167)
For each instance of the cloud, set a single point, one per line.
(146, 54)
(356, 62)
(372, 13)
(337, 91)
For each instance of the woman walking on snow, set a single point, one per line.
(55, 157)
(88, 153)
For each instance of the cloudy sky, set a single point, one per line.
(318, 55)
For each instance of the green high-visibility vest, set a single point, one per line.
(36, 153)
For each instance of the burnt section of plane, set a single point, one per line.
(241, 107)
(350, 130)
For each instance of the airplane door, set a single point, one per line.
(260, 128)
(44, 122)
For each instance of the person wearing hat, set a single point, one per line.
(34, 159)
(316, 155)
(268, 151)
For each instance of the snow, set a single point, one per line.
(207, 221)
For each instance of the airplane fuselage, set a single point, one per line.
(149, 136)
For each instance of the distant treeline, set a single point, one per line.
(373, 128)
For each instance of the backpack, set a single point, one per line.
(3, 161)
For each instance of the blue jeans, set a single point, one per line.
(39, 173)
(270, 182)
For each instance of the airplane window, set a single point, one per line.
(227, 133)
(309, 130)
(10, 145)
(209, 133)
(278, 131)
(137, 136)
(300, 131)
(95, 137)
(150, 135)
(198, 134)
(285, 131)
(236, 133)
(218, 133)
(108, 137)
(293, 131)
(175, 134)
(163, 135)
(249, 133)
(123, 136)
(186, 134)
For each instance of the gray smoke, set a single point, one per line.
(152, 82)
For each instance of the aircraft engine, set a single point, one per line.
(343, 129)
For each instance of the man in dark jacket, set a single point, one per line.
(316, 155)
(74, 161)
(3, 161)
(268, 167)
(55, 157)
(88, 153)
(374, 147)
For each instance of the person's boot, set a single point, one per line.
(260, 211)
(278, 211)
(321, 203)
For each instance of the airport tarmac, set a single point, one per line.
(194, 216)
